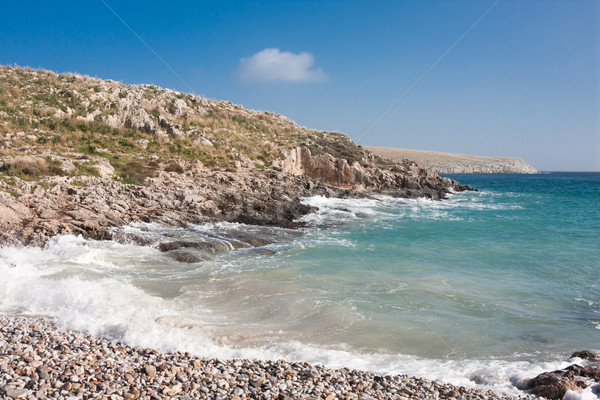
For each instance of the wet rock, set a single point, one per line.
(187, 258)
(553, 385)
(585, 355)
(169, 246)
(209, 247)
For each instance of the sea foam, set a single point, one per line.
(94, 286)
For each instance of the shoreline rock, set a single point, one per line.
(555, 384)
(82, 155)
(32, 212)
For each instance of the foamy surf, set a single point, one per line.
(83, 286)
(95, 287)
(482, 290)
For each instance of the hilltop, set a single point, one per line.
(83, 155)
(448, 163)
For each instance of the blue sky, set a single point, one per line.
(524, 82)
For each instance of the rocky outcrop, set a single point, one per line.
(447, 163)
(554, 385)
(406, 179)
(31, 212)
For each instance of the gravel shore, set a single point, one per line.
(40, 360)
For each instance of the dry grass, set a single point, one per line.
(50, 109)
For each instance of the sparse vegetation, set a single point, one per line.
(78, 183)
(86, 168)
(174, 167)
(13, 193)
(44, 112)
(30, 169)
(133, 171)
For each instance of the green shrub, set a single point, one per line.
(78, 183)
(87, 168)
(133, 172)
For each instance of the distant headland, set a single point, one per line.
(448, 163)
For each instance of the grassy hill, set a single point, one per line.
(140, 129)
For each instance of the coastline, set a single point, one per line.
(41, 360)
(33, 212)
(369, 377)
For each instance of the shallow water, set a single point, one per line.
(488, 287)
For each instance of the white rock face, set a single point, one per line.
(290, 162)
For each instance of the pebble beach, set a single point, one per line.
(39, 360)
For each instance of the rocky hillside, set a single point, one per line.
(69, 112)
(84, 155)
(448, 163)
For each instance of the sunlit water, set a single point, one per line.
(488, 287)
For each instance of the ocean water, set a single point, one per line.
(484, 289)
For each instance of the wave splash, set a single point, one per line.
(248, 302)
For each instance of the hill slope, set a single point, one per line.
(78, 113)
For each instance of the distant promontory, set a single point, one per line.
(448, 163)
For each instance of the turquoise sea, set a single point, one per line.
(486, 288)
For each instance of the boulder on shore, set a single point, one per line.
(554, 385)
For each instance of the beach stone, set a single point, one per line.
(150, 370)
(16, 393)
(554, 384)
(172, 390)
(238, 391)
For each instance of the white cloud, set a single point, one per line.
(273, 65)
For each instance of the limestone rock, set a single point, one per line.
(409, 181)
